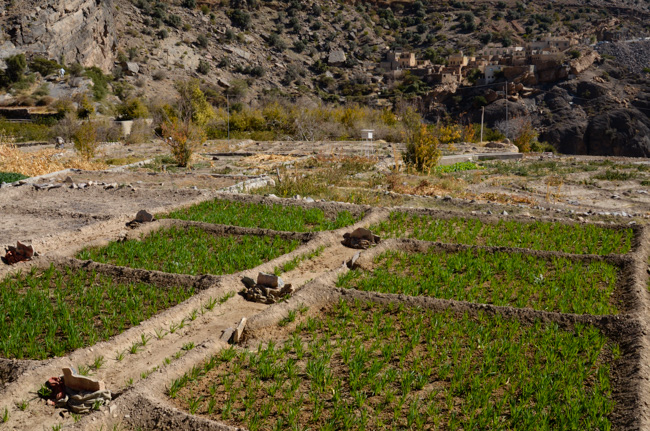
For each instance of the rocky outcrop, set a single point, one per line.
(642, 102)
(551, 71)
(566, 123)
(76, 30)
(619, 132)
(579, 65)
(567, 137)
(497, 112)
(614, 131)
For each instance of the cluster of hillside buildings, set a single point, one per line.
(491, 61)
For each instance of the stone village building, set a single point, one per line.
(512, 60)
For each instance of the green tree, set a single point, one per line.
(192, 103)
(85, 140)
(422, 151)
(16, 66)
(132, 109)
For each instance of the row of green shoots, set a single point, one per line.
(497, 278)
(569, 238)
(365, 366)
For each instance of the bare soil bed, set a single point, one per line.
(145, 179)
(29, 214)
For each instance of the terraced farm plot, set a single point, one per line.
(191, 251)
(363, 366)
(276, 217)
(576, 239)
(508, 279)
(51, 312)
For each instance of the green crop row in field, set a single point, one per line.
(10, 177)
(578, 239)
(51, 312)
(276, 217)
(191, 251)
(495, 278)
(363, 366)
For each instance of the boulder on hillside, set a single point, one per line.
(336, 58)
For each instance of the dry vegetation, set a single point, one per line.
(13, 159)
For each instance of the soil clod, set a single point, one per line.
(20, 253)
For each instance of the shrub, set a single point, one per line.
(277, 42)
(16, 66)
(240, 18)
(159, 75)
(121, 57)
(574, 53)
(86, 107)
(520, 130)
(100, 82)
(132, 109)
(44, 66)
(299, 46)
(448, 134)
(162, 34)
(204, 67)
(42, 90)
(479, 101)
(182, 137)
(174, 21)
(256, 71)
(140, 132)
(202, 41)
(75, 70)
(422, 151)
(107, 131)
(237, 89)
(85, 140)
(123, 90)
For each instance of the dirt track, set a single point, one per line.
(60, 221)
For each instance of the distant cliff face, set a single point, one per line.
(78, 30)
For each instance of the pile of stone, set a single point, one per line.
(360, 238)
(268, 289)
(79, 394)
(71, 184)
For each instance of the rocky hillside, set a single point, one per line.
(329, 50)
(80, 31)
